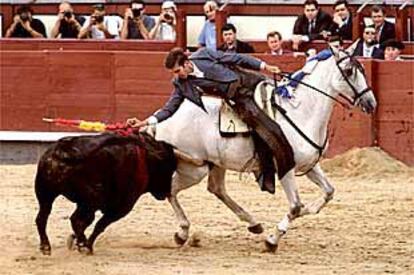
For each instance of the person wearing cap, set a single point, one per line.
(136, 24)
(164, 28)
(392, 49)
(207, 37)
(98, 25)
(25, 26)
(231, 43)
(368, 46)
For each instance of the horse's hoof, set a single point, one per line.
(85, 250)
(270, 247)
(256, 229)
(178, 240)
(70, 242)
(46, 250)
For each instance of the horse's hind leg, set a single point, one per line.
(45, 200)
(217, 187)
(80, 220)
(186, 176)
(317, 176)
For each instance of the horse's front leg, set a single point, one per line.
(216, 186)
(317, 176)
(185, 177)
(292, 194)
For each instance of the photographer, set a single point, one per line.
(136, 23)
(25, 26)
(67, 24)
(164, 29)
(98, 26)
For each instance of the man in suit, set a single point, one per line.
(342, 20)
(231, 43)
(275, 44)
(215, 72)
(368, 46)
(385, 29)
(313, 24)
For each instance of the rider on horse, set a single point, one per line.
(222, 74)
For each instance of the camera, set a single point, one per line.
(136, 12)
(24, 16)
(67, 14)
(168, 16)
(98, 18)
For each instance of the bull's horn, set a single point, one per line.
(187, 158)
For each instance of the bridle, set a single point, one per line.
(354, 101)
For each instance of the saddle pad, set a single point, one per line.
(230, 123)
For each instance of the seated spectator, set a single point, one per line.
(25, 26)
(164, 29)
(67, 24)
(342, 20)
(313, 24)
(137, 24)
(385, 29)
(392, 49)
(231, 43)
(275, 44)
(368, 46)
(207, 37)
(98, 25)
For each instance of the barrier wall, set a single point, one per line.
(111, 86)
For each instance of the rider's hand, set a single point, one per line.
(135, 122)
(272, 69)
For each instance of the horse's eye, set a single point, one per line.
(348, 72)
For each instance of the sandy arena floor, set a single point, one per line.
(368, 228)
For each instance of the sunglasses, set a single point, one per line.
(369, 32)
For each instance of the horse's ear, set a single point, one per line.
(351, 49)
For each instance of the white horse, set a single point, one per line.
(196, 133)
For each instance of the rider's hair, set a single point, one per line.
(175, 57)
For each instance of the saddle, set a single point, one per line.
(229, 122)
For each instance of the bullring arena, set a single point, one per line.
(367, 228)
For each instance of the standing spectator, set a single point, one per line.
(385, 29)
(231, 43)
(392, 49)
(99, 26)
(67, 24)
(25, 26)
(342, 20)
(368, 46)
(313, 24)
(164, 29)
(275, 44)
(207, 37)
(137, 24)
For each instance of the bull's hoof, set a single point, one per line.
(256, 229)
(45, 249)
(178, 240)
(85, 250)
(270, 247)
(70, 242)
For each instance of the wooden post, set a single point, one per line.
(357, 26)
(181, 29)
(401, 25)
(221, 20)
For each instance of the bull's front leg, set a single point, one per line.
(292, 194)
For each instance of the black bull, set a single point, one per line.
(108, 172)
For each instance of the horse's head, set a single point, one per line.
(350, 81)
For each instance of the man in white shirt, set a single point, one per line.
(99, 26)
